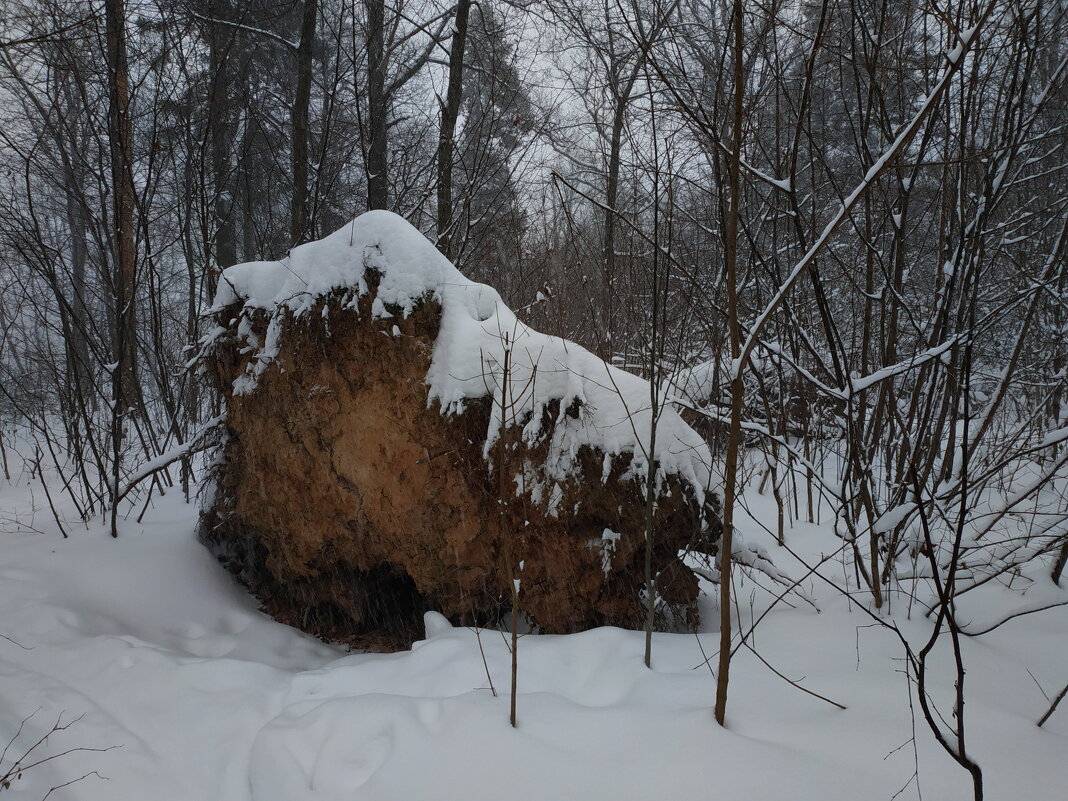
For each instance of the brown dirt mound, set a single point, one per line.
(349, 507)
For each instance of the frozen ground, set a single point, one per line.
(161, 658)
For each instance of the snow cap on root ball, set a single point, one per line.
(599, 405)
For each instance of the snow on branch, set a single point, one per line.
(857, 385)
(248, 28)
(955, 57)
(198, 442)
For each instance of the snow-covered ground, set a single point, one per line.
(157, 655)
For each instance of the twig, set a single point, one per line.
(1011, 617)
(247, 28)
(20, 766)
(48, 495)
(485, 664)
(73, 781)
(15, 642)
(708, 659)
(791, 681)
(1053, 706)
(1032, 675)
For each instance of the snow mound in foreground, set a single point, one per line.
(600, 406)
(153, 649)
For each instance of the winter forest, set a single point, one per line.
(541, 399)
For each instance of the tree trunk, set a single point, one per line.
(1058, 565)
(611, 195)
(377, 107)
(298, 210)
(730, 478)
(125, 391)
(78, 346)
(219, 127)
(450, 111)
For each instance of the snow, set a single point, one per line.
(608, 542)
(696, 385)
(892, 518)
(477, 328)
(1055, 437)
(858, 384)
(191, 445)
(151, 643)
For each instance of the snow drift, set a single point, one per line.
(399, 441)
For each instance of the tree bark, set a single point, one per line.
(1059, 563)
(78, 344)
(219, 127)
(377, 107)
(730, 479)
(611, 196)
(450, 112)
(125, 391)
(299, 227)
(125, 277)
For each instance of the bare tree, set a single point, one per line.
(299, 204)
(450, 112)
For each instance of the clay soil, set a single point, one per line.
(349, 506)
